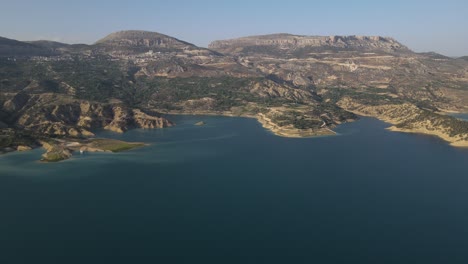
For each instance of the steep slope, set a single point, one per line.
(160, 55)
(51, 114)
(143, 41)
(286, 45)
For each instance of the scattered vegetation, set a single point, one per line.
(54, 156)
(10, 138)
(297, 120)
(452, 125)
(114, 145)
(368, 96)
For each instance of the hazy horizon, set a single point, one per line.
(423, 26)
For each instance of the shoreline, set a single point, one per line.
(63, 149)
(400, 114)
(420, 131)
(267, 124)
(288, 132)
(292, 132)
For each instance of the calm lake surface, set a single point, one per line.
(231, 192)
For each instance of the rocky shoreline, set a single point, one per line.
(408, 118)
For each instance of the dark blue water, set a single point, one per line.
(231, 192)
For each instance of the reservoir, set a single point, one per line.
(230, 191)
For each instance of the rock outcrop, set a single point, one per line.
(55, 115)
(23, 148)
(55, 152)
(144, 120)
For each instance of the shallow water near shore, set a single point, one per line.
(232, 192)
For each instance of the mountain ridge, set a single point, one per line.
(9, 47)
(141, 38)
(284, 40)
(45, 42)
(126, 34)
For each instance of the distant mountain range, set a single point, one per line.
(295, 43)
(294, 85)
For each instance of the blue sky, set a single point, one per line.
(440, 26)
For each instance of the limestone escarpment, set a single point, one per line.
(287, 41)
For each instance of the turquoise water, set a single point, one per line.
(231, 192)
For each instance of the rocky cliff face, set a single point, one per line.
(54, 115)
(287, 42)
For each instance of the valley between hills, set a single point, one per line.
(55, 95)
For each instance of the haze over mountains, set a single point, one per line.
(294, 85)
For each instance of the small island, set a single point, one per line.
(58, 150)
